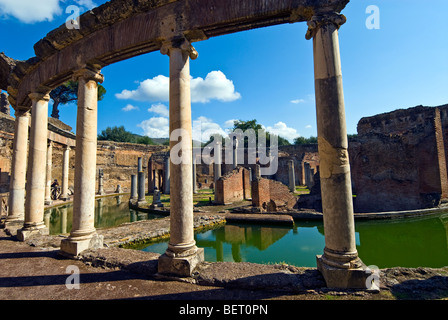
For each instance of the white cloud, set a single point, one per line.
(282, 130)
(308, 126)
(89, 4)
(229, 123)
(214, 86)
(129, 107)
(156, 127)
(204, 127)
(30, 11)
(160, 109)
(297, 101)
(155, 89)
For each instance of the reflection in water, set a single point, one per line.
(386, 243)
(109, 212)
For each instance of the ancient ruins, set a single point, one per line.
(122, 29)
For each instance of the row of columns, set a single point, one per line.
(36, 191)
(339, 263)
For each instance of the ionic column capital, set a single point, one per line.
(39, 96)
(182, 44)
(88, 75)
(22, 113)
(319, 21)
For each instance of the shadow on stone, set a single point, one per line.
(432, 288)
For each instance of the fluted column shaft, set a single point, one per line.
(182, 244)
(340, 255)
(83, 226)
(18, 170)
(48, 199)
(65, 173)
(36, 169)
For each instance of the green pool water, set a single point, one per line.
(109, 212)
(409, 242)
(387, 243)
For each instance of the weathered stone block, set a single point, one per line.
(180, 266)
(72, 247)
(343, 278)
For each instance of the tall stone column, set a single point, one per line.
(218, 161)
(195, 185)
(16, 199)
(134, 194)
(65, 173)
(83, 234)
(48, 200)
(291, 176)
(167, 176)
(182, 254)
(100, 182)
(339, 264)
(36, 171)
(235, 152)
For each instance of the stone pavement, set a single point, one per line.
(38, 273)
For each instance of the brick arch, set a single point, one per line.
(122, 29)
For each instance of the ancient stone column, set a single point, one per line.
(48, 200)
(167, 176)
(83, 234)
(307, 170)
(291, 176)
(16, 201)
(235, 152)
(141, 187)
(218, 160)
(139, 164)
(182, 254)
(65, 173)
(100, 182)
(36, 171)
(195, 185)
(134, 194)
(339, 264)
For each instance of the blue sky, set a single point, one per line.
(264, 74)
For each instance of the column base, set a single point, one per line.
(181, 266)
(156, 205)
(11, 226)
(72, 247)
(142, 203)
(31, 231)
(344, 278)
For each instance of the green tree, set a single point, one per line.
(144, 140)
(68, 92)
(118, 134)
(252, 124)
(303, 140)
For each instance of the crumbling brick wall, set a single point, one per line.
(233, 186)
(266, 191)
(398, 160)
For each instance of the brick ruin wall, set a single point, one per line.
(398, 160)
(118, 160)
(266, 192)
(233, 186)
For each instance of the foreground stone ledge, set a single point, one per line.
(395, 283)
